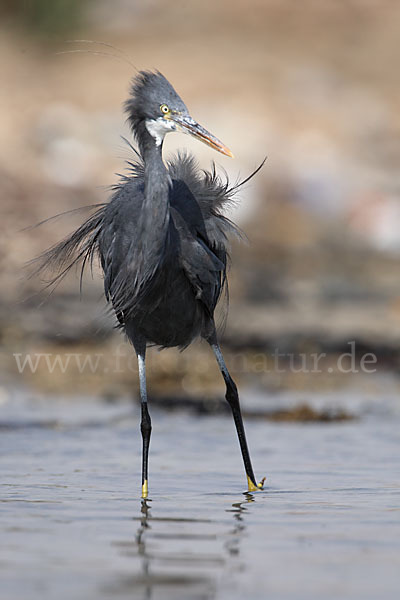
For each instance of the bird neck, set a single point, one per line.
(156, 177)
(154, 217)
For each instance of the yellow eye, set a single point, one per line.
(164, 109)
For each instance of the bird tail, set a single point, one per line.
(80, 247)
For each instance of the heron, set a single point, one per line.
(162, 242)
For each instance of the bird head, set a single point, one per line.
(154, 103)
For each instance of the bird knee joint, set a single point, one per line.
(145, 427)
(232, 396)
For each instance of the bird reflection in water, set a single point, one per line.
(141, 547)
(238, 509)
(175, 566)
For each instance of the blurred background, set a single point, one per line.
(314, 86)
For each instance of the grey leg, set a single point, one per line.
(145, 425)
(232, 398)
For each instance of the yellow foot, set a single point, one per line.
(145, 489)
(252, 487)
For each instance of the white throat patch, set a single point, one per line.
(158, 128)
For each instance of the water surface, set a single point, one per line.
(73, 524)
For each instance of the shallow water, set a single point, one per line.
(73, 525)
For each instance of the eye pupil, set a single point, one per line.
(164, 108)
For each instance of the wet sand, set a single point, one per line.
(73, 525)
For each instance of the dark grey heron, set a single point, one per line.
(162, 244)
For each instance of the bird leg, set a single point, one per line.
(232, 398)
(145, 425)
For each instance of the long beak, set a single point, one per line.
(189, 125)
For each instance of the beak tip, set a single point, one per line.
(225, 150)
